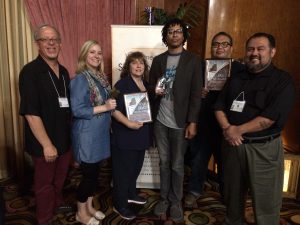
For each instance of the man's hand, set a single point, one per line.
(233, 135)
(39, 131)
(191, 131)
(204, 92)
(50, 153)
(159, 91)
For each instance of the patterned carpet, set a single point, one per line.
(207, 211)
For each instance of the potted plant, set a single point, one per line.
(186, 11)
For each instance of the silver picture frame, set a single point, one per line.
(138, 107)
(217, 71)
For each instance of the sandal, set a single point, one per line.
(92, 221)
(99, 215)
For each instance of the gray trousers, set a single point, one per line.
(257, 167)
(171, 146)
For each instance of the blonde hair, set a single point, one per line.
(81, 63)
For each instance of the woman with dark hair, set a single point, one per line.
(129, 138)
(91, 108)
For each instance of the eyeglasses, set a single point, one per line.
(172, 32)
(222, 44)
(49, 40)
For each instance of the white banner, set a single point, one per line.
(150, 175)
(130, 38)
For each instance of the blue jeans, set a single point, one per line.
(206, 143)
(172, 146)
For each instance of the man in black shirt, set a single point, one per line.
(43, 86)
(252, 109)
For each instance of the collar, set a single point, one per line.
(176, 54)
(44, 65)
(166, 53)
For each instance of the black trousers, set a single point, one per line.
(88, 184)
(126, 167)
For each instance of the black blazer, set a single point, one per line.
(186, 87)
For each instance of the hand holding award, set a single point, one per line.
(161, 86)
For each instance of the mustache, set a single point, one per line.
(254, 57)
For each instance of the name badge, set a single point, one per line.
(63, 102)
(237, 106)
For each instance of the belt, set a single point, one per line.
(264, 139)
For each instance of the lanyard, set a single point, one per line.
(55, 86)
(240, 94)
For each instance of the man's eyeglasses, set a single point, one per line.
(172, 32)
(222, 44)
(49, 40)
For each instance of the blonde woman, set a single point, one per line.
(91, 108)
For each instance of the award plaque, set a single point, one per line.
(161, 84)
(138, 107)
(216, 73)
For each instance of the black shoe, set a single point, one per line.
(161, 207)
(138, 200)
(125, 213)
(176, 213)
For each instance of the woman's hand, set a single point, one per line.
(134, 125)
(110, 104)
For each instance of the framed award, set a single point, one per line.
(217, 72)
(138, 107)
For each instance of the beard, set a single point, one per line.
(256, 68)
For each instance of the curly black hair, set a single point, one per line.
(173, 22)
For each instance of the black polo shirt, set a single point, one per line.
(270, 93)
(38, 86)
